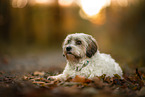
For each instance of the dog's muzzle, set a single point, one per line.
(68, 49)
(69, 52)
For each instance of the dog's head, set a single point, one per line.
(79, 46)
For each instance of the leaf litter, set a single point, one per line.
(131, 85)
(36, 85)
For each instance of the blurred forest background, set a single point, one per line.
(32, 31)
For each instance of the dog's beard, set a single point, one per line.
(69, 54)
(73, 56)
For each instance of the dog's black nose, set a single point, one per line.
(68, 48)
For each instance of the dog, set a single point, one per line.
(84, 59)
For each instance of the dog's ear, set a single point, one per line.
(92, 47)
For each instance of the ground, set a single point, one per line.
(27, 77)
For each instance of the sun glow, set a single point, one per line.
(122, 3)
(65, 2)
(19, 3)
(44, 1)
(93, 7)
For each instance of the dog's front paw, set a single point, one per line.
(52, 78)
(58, 77)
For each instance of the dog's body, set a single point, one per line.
(84, 58)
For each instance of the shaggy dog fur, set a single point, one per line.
(84, 58)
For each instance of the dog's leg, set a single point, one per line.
(62, 76)
(58, 77)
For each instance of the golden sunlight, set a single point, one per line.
(19, 3)
(44, 1)
(93, 7)
(122, 3)
(65, 2)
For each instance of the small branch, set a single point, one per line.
(138, 74)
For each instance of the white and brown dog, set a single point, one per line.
(84, 58)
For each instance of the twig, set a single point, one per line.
(138, 74)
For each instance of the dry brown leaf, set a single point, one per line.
(98, 83)
(25, 78)
(38, 82)
(79, 79)
(36, 73)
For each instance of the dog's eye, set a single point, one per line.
(78, 42)
(68, 41)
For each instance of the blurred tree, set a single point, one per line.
(5, 20)
(56, 22)
(133, 26)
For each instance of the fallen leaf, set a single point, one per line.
(38, 82)
(98, 83)
(25, 78)
(79, 79)
(37, 73)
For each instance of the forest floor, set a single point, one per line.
(27, 77)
